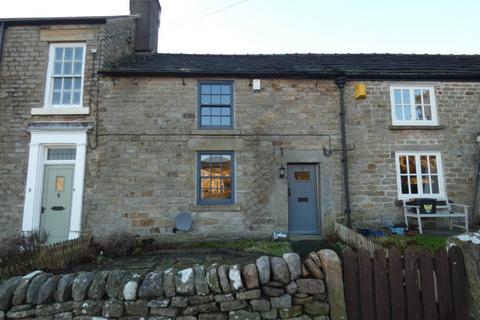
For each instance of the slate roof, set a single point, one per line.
(356, 66)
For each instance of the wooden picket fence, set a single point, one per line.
(48, 257)
(415, 286)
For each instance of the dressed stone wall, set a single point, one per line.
(273, 288)
(143, 172)
(373, 180)
(23, 70)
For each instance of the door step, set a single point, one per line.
(300, 237)
(305, 246)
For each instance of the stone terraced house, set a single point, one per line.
(100, 133)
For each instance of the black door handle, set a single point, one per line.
(58, 208)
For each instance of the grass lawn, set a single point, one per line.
(432, 242)
(267, 247)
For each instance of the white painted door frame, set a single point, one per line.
(41, 140)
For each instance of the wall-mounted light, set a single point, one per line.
(478, 139)
(327, 152)
(281, 172)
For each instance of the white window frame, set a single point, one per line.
(41, 141)
(441, 184)
(49, 80)
(411, 88)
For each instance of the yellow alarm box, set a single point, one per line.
(360, 90)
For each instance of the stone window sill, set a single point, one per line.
(212, 207)
(60, 111)
(214, 132)
(412, 127)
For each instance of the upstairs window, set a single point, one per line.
(413, 105)
(419, 175)
(215, 178)
(215, 105)
(66, 64)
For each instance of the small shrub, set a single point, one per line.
(337, 244)
(332, 238)
(117, 244)
(14, 245)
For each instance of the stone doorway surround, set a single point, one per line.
(43, 136)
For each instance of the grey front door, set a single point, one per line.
(302, 199)
(57, 201)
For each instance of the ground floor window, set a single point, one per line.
(419, 174)
(216, 177)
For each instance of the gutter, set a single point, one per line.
(3, 28)
(340, 82)
(252, 74)
(56, 21)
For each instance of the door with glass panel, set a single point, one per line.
(57, 193)
(302, 199)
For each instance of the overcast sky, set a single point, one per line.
(287, 26)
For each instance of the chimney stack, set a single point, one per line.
(146, 33)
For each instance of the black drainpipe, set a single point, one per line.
(474, 206)
(3, 27)
(340, 82)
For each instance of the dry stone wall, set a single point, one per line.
(470, 245)
(272, 288)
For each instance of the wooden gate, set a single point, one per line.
(415, 286)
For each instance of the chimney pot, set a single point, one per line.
(146, 32)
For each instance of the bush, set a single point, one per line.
(117, 244)
(14, 245)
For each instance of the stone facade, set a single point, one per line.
(145, 162)
(165, 108)
(142, 152)
(23, 69)
(373, 177)
(198, 292)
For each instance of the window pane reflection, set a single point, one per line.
(216, 176)
(216, 105)
(418, 174)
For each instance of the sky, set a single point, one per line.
(292, 26)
